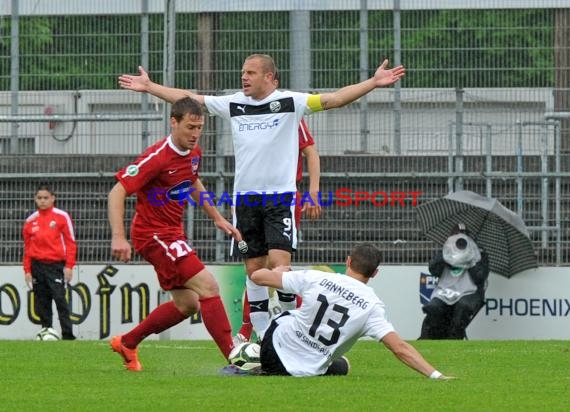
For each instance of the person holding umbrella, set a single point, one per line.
(462, 269)
(498, 230)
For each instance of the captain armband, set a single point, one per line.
(314, 103)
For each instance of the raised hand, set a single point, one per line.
(385, 77)
(138, 83)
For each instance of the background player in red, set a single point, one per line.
(49, 257)
(165, 178)
(308, 150)
(312, 210)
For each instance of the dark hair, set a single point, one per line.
(46, 187)
(185, 106)
(365, 258)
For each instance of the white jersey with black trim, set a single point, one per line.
(336, 311)
(265, 138)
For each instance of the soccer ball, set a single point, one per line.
(245, 356)
(47, 334)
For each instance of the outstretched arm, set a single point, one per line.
(410, 356)
(382, 78)
(142, 83)
(270, 277)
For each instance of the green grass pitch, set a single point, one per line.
(183, 376)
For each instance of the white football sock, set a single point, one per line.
(258, 297)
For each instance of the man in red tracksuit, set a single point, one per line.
(49, 257)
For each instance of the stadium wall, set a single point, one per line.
(428, 122)
(109, 300)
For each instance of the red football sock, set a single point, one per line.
(163, 317)
(246, 326)
(217, 323)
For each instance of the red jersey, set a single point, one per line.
(162, 178)
(305, 140)
(48, 236)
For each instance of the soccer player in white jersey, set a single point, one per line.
(264, 123)
(336, 311)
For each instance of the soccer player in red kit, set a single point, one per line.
(307, 149)
(165, 178)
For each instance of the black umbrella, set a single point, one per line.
(496, 229)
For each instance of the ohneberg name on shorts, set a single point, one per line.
(340, 197)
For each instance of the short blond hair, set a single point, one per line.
(267, 63)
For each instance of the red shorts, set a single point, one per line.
(174, 260)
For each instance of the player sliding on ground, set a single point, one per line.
(336, 311)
